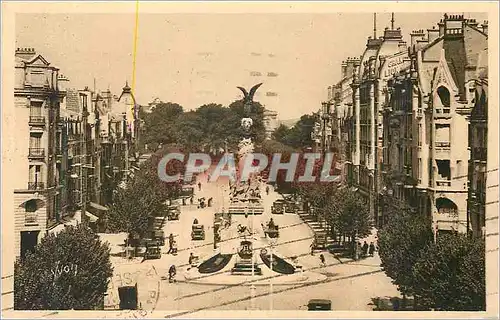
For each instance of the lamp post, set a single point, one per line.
(272, 241)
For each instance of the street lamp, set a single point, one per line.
(273, 239)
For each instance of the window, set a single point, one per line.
(419, 134)
(419, 173)
(36, 108)
(444, 96)
(444, 170)
(35, 173)
(35, 140)
(442, 135)
(30, 205)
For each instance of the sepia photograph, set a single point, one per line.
(249, 159)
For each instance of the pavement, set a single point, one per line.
(349, 284)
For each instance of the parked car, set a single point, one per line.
(152, 253)
(173, 212)
(198, 232)
(319, 305)
(278, 207)
(290, 206)
(158, 235)
(320, 239)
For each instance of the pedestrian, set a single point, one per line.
(171, 273)
(322, 259)
(271, 224)
(199, 186)
(174, 248)
(372, 249)
(267, 190)
(208, 178)
(191, 200)
(365, 249)
(210, 200)
(170, 243)
(190, 261)
(313, 245)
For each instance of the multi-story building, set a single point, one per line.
(341, 97)
(382, 58)
(270, 122)
(426, 120)
(37, 194)
(478, 147)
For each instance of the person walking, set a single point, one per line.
(365, 249)
(371, 249)
(190, 260)
(171, 273)
(191, 200)
(267, 190)
(199, 186)
(322, 259)
(170, 243)
(313, 245)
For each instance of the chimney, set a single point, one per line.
(484, 26)
(441, 27)
(25, 53)
(344, 69)
(472, 22)
(416, 35)
(453, 25)
(62, 82)
(432, 34)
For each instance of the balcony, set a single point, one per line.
(31, 219)
(36, 121)
(36, 153)
(443, 183)
(36, 186)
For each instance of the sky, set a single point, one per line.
(193, 59)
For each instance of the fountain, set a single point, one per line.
(241, 250)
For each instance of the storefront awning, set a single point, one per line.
(91, 217)
(98, 206)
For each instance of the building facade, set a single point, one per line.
(426, 120)
(37, 195)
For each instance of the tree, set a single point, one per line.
(70, 270)
(132, 209)
(160, 123)
(280, 133)
(190, 131)
(450, 275)
(401, 242)
(349, 214)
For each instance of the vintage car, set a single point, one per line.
(152, 253)
(173, 212)
(320, 240)
(290, 206)
(158, 235)
(319, 305)
(278, 207)
(198, 232)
